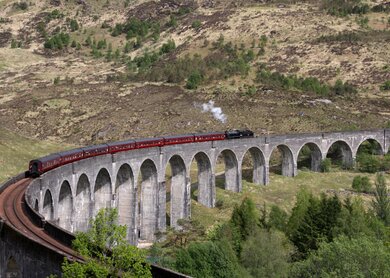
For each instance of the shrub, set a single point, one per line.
(135, 27)
(16, 44)
(55, 14)
(263, 41)
(105, 25)
(168, 47)
(341, 37)
(345, 7)
(361, 184)
(117, 30)
(127, 48)
(88, 41)
(196, 24)
(58, 41)
(308, 84)
(219, 203)
(74, 26)
(56, 80)
(172, 22)
(145, 61)
(385, 86)
(341, 88)
(368, 163)
(366, 184)
(361, 256)
(183, 10)
(208, 259)
(357, 183)
(194, 80)
(380, 8)
(21, 5)
(102, 44)
(325, 165)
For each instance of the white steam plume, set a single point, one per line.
(216, 111)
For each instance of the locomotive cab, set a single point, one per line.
(34, 168)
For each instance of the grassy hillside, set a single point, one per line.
(281, 191)
(16, 151)
(93, 71)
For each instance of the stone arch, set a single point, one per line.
(82, 211)
(102, 191)
(48, 207)
(232, 179)
(376, 146)
(315, 156)
(126, 198)
(12, 269)
(147, 201)
(288, 166)
(36, 205)
(259, 166)
(65, 206)
(178, 190)
(340, 150)
(206, 190)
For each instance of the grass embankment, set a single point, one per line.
(16, 151)
(281, 191)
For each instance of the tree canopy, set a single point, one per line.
(106, 251)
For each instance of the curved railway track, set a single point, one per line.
(13, 213)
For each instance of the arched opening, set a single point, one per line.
(36, 205)
(48, 208)
(282, 161)
(176, 191)
(340, 154)
(369, 157)
(309, 157)
(147, 201)
(82, 204)
(12, 269)
(253, 166)
(102, 191)
(201, 180)
(227, 163)
(126, 198)
(65, 206)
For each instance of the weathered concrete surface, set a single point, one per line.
(134, 181)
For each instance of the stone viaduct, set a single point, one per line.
(135, 181)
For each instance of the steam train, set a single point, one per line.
(47, 163)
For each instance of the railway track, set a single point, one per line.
(13, 213)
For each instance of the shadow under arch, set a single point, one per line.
(205, 185)
(126, 198)
(65, 207)
(287, 161)
(340, 154)
(102, 191)
(82, 213)
(12, 269)
(36, 205)
(231, 173)
(176, 188)
(370, 146)
(309, 156)
(48, 207)
(254, 161)
(147, 192)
